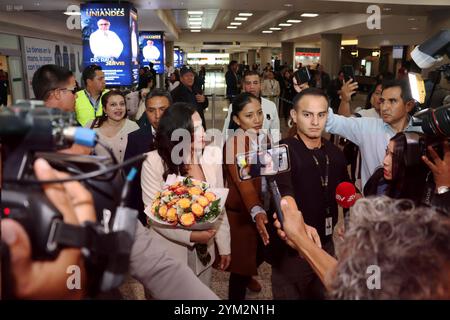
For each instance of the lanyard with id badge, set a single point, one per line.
(324, 181)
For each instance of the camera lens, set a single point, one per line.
(437, 122)
(443, 118)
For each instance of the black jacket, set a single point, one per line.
(139, 141)
(232, 84)
(184, 94)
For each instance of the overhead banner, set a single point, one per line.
(151, 44)
(38, 52)
(109, 34)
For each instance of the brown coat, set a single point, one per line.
(242, 197)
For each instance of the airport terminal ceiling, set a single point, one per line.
(251, 24)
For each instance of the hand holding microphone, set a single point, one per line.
(346, 197)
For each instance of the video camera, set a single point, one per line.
(434, 120)
(29, 131)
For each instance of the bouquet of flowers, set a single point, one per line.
(187, 203)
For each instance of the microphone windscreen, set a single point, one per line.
(346, 194)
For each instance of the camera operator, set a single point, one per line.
(163, 276)
(379, 245)
(47, 279)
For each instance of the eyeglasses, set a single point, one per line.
(73, 90)
(104, 24)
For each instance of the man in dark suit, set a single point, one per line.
(232, 80)
(187, 92)
(141, 141)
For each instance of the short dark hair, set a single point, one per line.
(309, 92)
(89, 72)
(403, 85)
(47, 78)
(158, 93)
(250, 73)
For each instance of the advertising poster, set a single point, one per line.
(181, 57)
(134, 47)
(39, 52)
(176, 58)
(107, 34)
(151, 44)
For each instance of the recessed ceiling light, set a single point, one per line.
(195, 12)
(195, 30)
(197, 23)
(195, 19)
(195, 27)
(411, 19)
(275, 28)
(267, 31)
(236, 23)
(288, 5)
(309, 15)
(293, 21)
(414, 28)
(231, 27)
(72, 13)
(240, 19)
(285, 24)
(245, 14)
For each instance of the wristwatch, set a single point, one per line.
(442, 190)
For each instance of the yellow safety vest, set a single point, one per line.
(85, 110)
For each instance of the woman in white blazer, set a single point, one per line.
(184, 245)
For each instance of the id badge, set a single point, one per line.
(328, 226)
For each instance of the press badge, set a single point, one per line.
(328, 226)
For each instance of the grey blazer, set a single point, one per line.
(165, 277)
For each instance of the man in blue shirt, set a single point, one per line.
(372, 135)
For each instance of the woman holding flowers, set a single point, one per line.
(180, 150)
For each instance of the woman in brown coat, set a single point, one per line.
(244, 204)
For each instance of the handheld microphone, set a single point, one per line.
(346, 194)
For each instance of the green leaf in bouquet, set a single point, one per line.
(188, 182)
(214, 211)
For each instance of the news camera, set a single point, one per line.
(434, 120)
(29, 131)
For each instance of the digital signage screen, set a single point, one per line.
(151, 44)
(109, 35)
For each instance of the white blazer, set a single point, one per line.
(177, 241)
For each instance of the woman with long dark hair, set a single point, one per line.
(245, 202)
(404, 174)
(113, 126)
(172, 154)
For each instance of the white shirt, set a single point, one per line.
(271, 122)
(370, 113)
(371, 135)
(151, 53)
(173, 85)
(105, 44)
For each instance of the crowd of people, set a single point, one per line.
(389, 228)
